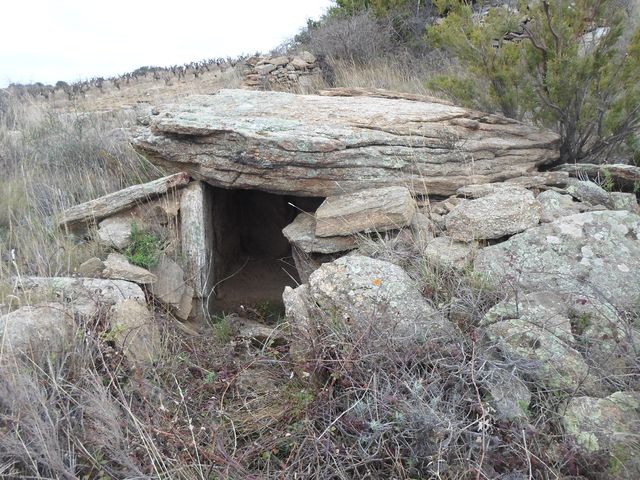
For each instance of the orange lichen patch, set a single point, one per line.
(377, 282)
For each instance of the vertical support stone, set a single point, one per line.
(196, 233)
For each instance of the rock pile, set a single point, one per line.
(282, 73)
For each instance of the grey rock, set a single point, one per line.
(593, 255)
(302, 233)
(505, 212)
(307, 56)
(447, 253)
(134, 330)
(86, 295)
(312, 145)
(115, 232)
(91, 268)
(361, 289)
(556, 205)
(624, 201)
(170, 287)
(117, 267)
(37, 331)
(196, 237)
(587, 191)
(510, 397)
(610, 426)
(534, 332)
(372, 210)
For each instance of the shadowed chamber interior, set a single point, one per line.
(252, 260)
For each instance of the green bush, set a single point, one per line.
(144, 249)
(570, 66)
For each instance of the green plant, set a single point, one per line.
(573, 67)
(144, 249)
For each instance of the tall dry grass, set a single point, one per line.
(52, 159)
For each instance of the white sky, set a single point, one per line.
(46, 41)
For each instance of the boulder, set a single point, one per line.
(371, 210)
(534, 333)
(114, 232)
(608, 426)
(556, 205)
(307, 56)
(320, 146)
(623, 201)
(117, 267)
(86, 295)
(504, 212)
(446, 253)
(170, 287)
(593, 255)
(361, 289)
(91, 268)
(302, 234)
(587, 191)
(134, 331)
(37, 331)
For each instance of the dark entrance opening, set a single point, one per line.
(252, 260)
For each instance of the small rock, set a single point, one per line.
(115, 232)
(624, 201)
(37, 331)
(372, 210)
(265, 69)
(118, 267)
(299, 64)
(587, 191)
(170, 287)
(447, 253)
(510, 397)
(279, 61)
(307, 57)
(505, 212)
(608, 425)
(134, 330)
(301, 233)
(556, 205)
(91, 268)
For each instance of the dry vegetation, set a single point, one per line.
(216, 408)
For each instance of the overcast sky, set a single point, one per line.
(50, 40)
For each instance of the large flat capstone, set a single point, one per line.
(327, 145)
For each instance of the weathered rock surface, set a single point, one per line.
(535, 331)
(510, 397)
(86, 295)
(447, 253)
(371, 210)
(623, 201)
(593, 255)
(170, 288)
(321, 146)
(103, 207)
(117, 267)
(556, 205)
(361, 289)
(624, 175)
(302, 234)
(505, 212)
(91, 268)
(608, 425)
(135, 332)
(37, 331)
(114, 232)
(588, 192)
(196, 235)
